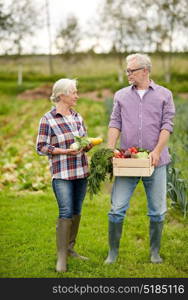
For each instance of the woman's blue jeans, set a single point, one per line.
(155, 188)
(70, 195)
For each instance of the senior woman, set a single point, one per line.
(69, 168)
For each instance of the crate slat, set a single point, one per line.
(133, 171)
(132, 167)
(131, 162)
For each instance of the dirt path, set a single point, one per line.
(44, 91)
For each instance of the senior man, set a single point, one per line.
(142, 116)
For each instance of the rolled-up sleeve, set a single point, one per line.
(168, 114)
(115, 119)
(43, 146)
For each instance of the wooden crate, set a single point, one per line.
(132, 167)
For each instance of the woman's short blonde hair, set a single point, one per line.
(142, 59)
(62, 86)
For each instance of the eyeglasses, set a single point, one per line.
(129, 71)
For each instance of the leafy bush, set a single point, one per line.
(30, 76)
(177, 187)
(108, 107)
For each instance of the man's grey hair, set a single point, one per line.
(62, 86)
(143, 60)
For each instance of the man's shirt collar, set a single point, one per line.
(151, 85)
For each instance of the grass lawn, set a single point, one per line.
(28, 239)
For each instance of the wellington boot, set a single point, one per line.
(114, 235)
(155, 241)
(73, 235)
(62, 240)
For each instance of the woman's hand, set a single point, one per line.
(73, 152)
(88, 147)
(61, 151)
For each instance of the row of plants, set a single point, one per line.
(177, 170)
(177, 187)
(178, 83)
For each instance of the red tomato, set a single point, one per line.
(119, 155)
(133, 150)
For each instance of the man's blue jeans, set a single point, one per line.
(155, 188)
(70, 195)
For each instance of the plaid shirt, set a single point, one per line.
(55, 132)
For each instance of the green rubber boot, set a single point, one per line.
(73, 236)
(114, 231)
(62, 239)
(155, 232)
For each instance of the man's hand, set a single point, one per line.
(155, 156)
(162, 142)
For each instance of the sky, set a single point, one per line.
(59, 10)
(84, 10)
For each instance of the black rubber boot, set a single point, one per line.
(114, 231)
(155, 241)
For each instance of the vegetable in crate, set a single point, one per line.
(82, 142)
(100, 168)
(119, 153)
(142, 155)
(133, 152)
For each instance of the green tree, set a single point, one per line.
(24, 20)
(5, 24)
(119, 26)
(4, 18)
(69, 36)
(164, 21)
(20, 22)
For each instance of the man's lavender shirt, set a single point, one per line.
(141, 120)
